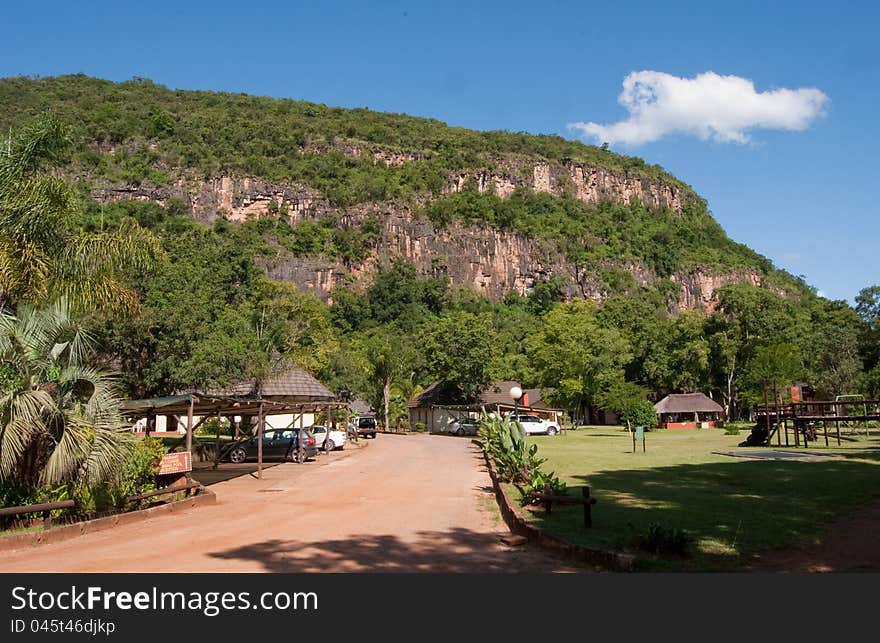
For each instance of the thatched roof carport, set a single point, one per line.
(291, 390)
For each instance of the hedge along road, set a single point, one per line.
(404, 503)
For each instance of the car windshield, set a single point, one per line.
(367, 423)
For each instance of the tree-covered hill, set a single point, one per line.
(157, 143)
(382, 252)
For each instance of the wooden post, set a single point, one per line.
(837, 424)
(260, 443)
(189, 431)
(767, 414)
(217, 443)
(300, 449)
(548, 503)
(327, 434)
(47, 515)
(588, 507)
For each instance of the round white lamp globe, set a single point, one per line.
(516, 392)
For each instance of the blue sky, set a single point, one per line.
(807, 199)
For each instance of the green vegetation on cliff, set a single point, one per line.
(222, 132)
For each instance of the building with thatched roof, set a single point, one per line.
(689, 411)
(439, 405)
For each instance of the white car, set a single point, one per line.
(533, 425)
(337, 438)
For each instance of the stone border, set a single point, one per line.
(551, 542)
(65, 532)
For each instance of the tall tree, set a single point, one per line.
(868, 308)
(574, 354)
(459, 349)
(389, 357)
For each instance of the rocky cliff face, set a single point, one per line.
(491, 261)
(589, 184)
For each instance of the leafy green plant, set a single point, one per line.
(540, 479)
(515, 460)
(662, 540)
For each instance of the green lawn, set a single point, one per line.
(731, 506)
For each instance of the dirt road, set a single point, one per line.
(402, 504)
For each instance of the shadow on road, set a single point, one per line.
(205, 473)
(454, 551)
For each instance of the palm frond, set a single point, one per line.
(42, 140)
(91, 253)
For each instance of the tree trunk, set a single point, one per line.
(386, 396)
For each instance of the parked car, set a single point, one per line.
(365, 426)
(465, 426)
(277, 443)
(337, 438)
(533, 425)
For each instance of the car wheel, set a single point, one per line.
(331, 445)
(551, 430)
(238, 456)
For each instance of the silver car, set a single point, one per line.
(465, 426)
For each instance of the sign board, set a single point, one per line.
(172, 463)
(638, 436)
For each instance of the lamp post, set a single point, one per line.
(516, 393)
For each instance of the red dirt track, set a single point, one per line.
(402, 504)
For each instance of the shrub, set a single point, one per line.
(663, 540)
(539, 480)
(516, 461)
(139, 473)
(420, 427)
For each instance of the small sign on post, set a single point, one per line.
(172, 463)
(639, 436)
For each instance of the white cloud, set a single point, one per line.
(710, 106)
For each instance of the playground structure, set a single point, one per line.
(805, 418)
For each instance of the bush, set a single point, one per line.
(663, 540)
(420, 427)
(516, 461)
(539, 480)
(642, 413)
(139, 474)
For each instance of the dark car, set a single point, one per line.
(365, 426)
(277, 444)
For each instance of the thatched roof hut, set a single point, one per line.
(689, 410)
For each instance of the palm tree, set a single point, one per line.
(59, 417)
(42, 255)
